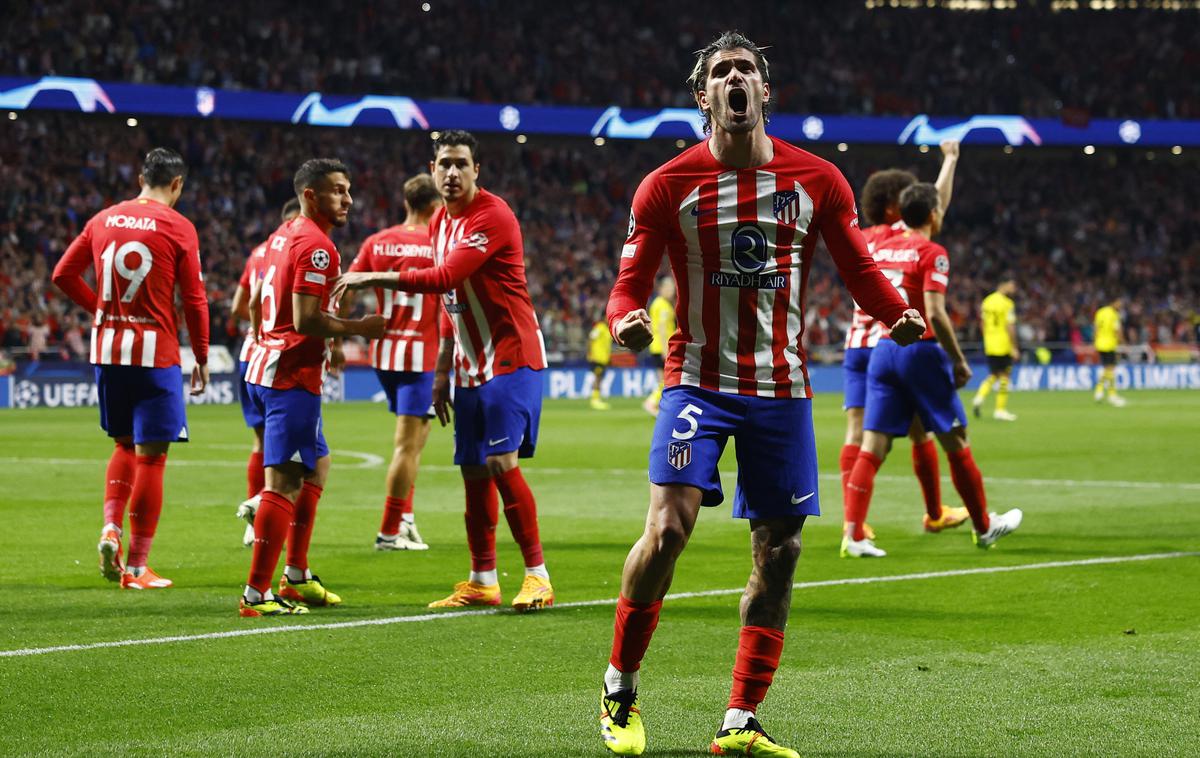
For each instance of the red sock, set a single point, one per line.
(520, 510)
(270, 531)
(481, 518)
(969, 483)
(304, 515)
(407, 502)
(145, 505)
(256, 477)
(858, 491)
(846, 465)
(759, 648)
(925, 466)
(118, 483)
(632, 632)
(393, 510)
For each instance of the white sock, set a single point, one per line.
(736, 718)
(254, 596)
(389, 537)
(408, 518)
(615, 679)
(136, 570)
(538, 570)
(295, 575)
(111, 525)
(484, 577)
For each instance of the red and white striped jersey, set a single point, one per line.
(740, 243)
(480, 266)
(411, 340)
(865, 331)
(914, 265)
(300, 259)
(251, 274)
(140, 250)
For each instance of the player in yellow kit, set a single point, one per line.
(1000, 346)
(662, 323)
(599, 355)
(1107, 337)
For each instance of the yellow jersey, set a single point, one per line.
(999, 311)
(599, 344)
(662, 323)
(1108, 329)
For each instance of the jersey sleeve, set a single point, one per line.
(191, 287)
(68, 273)
(642, 253)
(244, 279)
(316, 267)
(485, 234)
(935, 269)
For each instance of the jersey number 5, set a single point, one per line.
(116, 263)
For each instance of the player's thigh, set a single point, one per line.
(936, 397)
(293, 428)
(469, 441)
(890, 404)
(251, 411)
(690, 433)
(115, 397)
(854, 377)
(777, 460)
(159, 412)
(512, 411)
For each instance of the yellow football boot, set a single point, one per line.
(310, 592)
(621, 723)
(270, 607)
(469, 593)
(536, 593)
(749, 740)
(950, 518)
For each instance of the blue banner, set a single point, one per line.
(398, 112)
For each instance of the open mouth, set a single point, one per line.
(739, 101)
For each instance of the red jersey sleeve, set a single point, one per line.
(191, 286)
(642, 253)
(935, 268)
(485, 234)
(68, 274)
(316, 267)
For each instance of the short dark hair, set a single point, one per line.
(452, 137)
(161, 165)
(882, 190)
(728, 40)
(917, 204)
(290, 208)
(315, 169)
(420, 192)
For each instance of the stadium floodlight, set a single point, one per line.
(87, 93)
(1016, 130)
(404, 111)
(611, 124)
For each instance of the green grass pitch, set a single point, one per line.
(1081, 659)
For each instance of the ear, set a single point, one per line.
(702, 100)
(766, 93)
(431, 168)
(177, 185)
(141, 182)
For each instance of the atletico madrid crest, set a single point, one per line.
(787, 206)
(679, 454)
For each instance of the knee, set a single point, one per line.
(787, 552)
(667, 538)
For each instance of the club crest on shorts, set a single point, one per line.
(786, 206)
(679, 454)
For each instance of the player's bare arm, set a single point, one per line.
(945, 180)
(199, 379)
(311, 320)
(1012, 338)
(254, 310)
(239, 309)
(442, 405)
(939, 319)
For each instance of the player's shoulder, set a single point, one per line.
(306, 234)
(790, 158)
(930, 248)
(490, 205)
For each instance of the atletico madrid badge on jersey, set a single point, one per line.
(679, 454)
(787, 206)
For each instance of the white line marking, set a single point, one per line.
(588, 604)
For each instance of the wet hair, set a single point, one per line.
(312, 171)
(420, 192)
(917, 204)
(882, 190)
(453, 137)
(161, 165)
(290, 208)
(728, 40)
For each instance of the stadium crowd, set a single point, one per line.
(841, 58)
(1071, 229)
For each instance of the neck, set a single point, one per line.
(417, 219)
(925, 231)
(745, 150)
(312, 216)
(157, 194)
(456, 207)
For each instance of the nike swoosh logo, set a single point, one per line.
(496, 442)
(799, 500)
(697, 211)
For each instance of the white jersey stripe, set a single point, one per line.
(795, 323)
(149, 347)
(106, 346)
(693, 317)
(95, 346)
(269, 369)
(126, 357)
(764, 336)
(385, 355)
(398, 356)
(418, 356)
(486, 355)
(730, 297)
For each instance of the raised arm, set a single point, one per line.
(945, 180)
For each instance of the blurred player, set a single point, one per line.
(405, 358)
(662, 321)
(491, 336)
(921, 379)
(140, 250)
(738, 215)
(240, 311)
(599, 356)
(1107, 337)
(291, 309)
(999, 314)
(881, 207)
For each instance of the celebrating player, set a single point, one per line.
(662, 323)
(1000, 346)
(240, 311)
(1107, 325)
(921, 379)
(140, 250)
(291, 309)
(881, 207)
(738, 215)
(405, 358)
(491, 336)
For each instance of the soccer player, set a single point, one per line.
(662, 322)
(599, 356)
(292, 311)
(405, 358)
(881, 208)
(921, 379)
(738, 215)
(1000, 346)
(1107, 337)
(140, 249)
(240, 310)
(491, 336)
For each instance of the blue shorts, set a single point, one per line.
(292, 425)
(497, 417)
(776, 450)
(916, 379)
(409, 393)
(146, 403)
(854, 377)
(250, 412)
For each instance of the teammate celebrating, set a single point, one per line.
(240, 311)
(140, 250)
(497, 354)
(738, 215)
(999, 314)
(662, 323)
(922, 379)
(405, 358)
(291, 310)
(1107, 325)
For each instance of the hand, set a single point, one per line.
(199, 378)
(442, 405)
(633, 330)
(909, 328)
(351, 280)
(962, 373)
(950, 149)
(337, 359)
(372, 326)
(1016, 355)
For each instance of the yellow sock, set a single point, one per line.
(984, 389)
(598, 373)
(1110, 380)
(657, 395)
(1002, 393)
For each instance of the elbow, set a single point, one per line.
(306, 325)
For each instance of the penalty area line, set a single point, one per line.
(23, 652)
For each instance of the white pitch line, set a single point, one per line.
(23, 652)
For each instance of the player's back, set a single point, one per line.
(865, 331)
(1107, 326)
(410, 340)
(252, 273)
(997, 311)
(914, 265)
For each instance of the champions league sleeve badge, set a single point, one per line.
(679, 454)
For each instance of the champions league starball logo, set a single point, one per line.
(27, 395)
